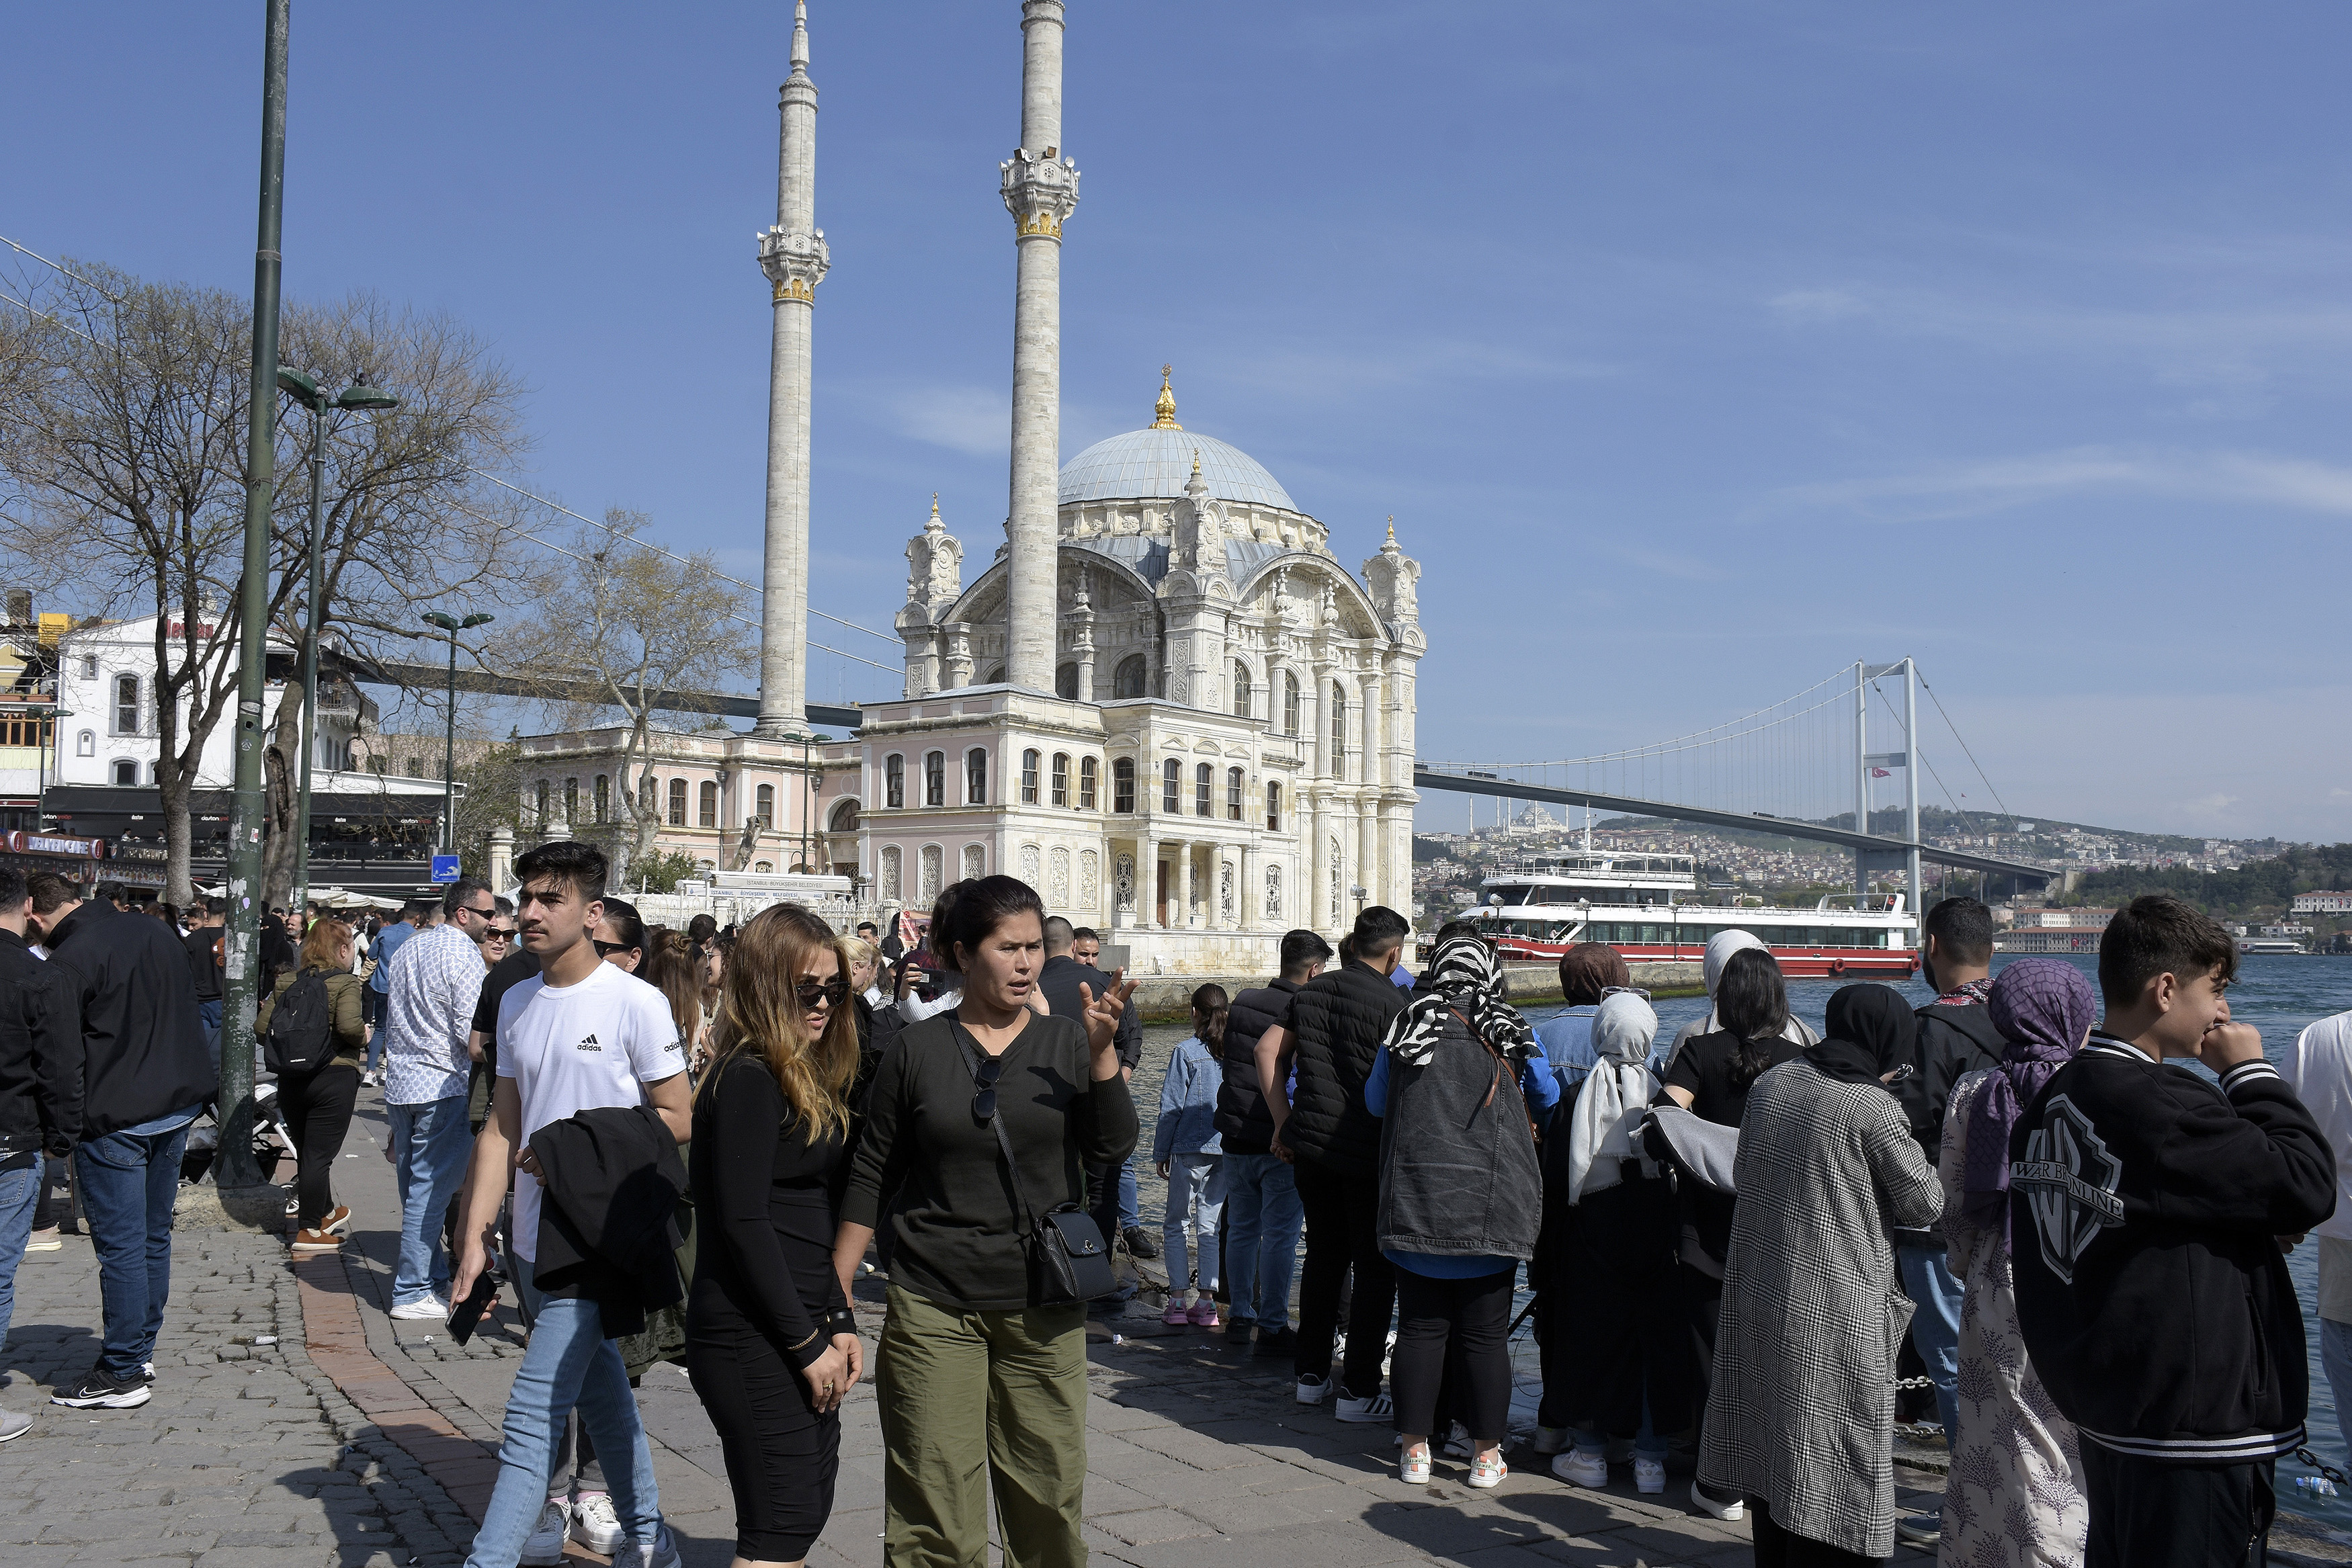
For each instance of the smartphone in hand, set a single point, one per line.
(466, 1314)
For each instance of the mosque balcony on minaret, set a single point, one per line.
(796, 263)
(1039, 192)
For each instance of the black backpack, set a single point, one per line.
(301, 1028)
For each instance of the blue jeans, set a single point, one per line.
(1261, 1221)
(371, 1015)
(20, 1194)
(569, 1363)
(127, 1182)
(209, 1014)
(1934, 1324)
(429, 1143)
(2335, 1359)
(1130, 1217)
(1196, 1195)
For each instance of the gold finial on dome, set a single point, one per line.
(1392, 528)
(1164, 410)
(1196, 460)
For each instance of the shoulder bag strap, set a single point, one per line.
(1003, 1143)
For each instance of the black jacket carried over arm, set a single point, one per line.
(1340, 1018)
(124, 993)
(1061, 976)
(610, 1182)
(2145, 1205)
(40, 1066)
(1953, 1039)
(1243, 1124)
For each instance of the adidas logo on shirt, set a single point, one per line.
(590, 1044)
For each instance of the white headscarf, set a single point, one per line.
(1619, 1090)
(1720, 949)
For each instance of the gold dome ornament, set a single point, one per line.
(1164, 410)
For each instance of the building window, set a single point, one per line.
(538, 801)
(571, 799)
(1203, 780)
(764, 865)
(1233, 794)
(975, 861)
(375, 765)
(1289, 703)
(1089, 773)
(934, 779)
(890, 884)
(1123, 783)
(894, 781)
(927, 888)
(1273, 806)
(85, 744)
(1061, 796)
(766, 810)
(1131, 677)
(706, 810)
(975, 777)
(603, 798)
(1338, 725)
(678, 803)
(1240, 690)
(1029, 778)
(1274, 892)
(417, 769)
(1171, 786)
(1065, 683)
(126, 704)
(126, 773)
(995, 676)
(90, 666)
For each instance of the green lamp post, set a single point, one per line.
(452, 625)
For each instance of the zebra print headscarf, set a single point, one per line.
(1463, 979)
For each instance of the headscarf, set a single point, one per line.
(2044, 1009)
(1865, 1027)
(1720, 949)
(1616, 1094)
(1463, 979)
(1589, 969)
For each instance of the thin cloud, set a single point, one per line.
(973, 419)
(1970, 489)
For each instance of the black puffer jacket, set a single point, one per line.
(1243, 1124)
(124, 991)
(1339, 1019)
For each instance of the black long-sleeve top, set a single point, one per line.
(761, 1193)
(960, 1237)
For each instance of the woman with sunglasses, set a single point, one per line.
(972, 1329)
(771, 1344)
(620, 937)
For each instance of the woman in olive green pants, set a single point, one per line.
(965, 1332)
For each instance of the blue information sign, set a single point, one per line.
(445, 868)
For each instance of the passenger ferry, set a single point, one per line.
(1647, 907)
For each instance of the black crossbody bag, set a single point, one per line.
(1068, 1260)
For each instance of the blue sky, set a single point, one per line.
(1697, 349)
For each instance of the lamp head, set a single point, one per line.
(302, 389)
(436, 618)
(472, 621)
(360, 395)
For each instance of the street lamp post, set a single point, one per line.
(304, 390)
(452, 625)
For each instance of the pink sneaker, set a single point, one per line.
(1205, 1313)
(1176, 1316)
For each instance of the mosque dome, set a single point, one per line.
(1155, 464)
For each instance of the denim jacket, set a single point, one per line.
(1188, 1104)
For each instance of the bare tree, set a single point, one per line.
(127, 441)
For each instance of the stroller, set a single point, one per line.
(273, 1139)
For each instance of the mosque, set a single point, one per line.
(1163, 701)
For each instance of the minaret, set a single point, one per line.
(1040, 189)
(792, 254)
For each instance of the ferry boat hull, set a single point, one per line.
(1796, 963)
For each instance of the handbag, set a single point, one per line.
(1068, 1259)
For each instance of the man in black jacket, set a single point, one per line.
(39, 1095)
(124, 1001)
(1071, 956)
(2146, 1205)
(1334, 1032)
(1262, 1214)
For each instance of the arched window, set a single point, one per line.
(604, 797)
(1066, 681)
(706, 808)
(766, 808)
(1123, 783)
(1338, 725)
(1289, 703)
(85, 744)
(1233, 794)
(126, 704)
(995, 676)
(678, 803)
(935, 779)
(927, 888)
(537, 802)
(1089, 775)
(975, 861)
(126, 772)
(1171, 786)
(1240, 690)
(1132, 677)
(1274, 892)
(1061, 796)
(890, 884)
(763, 865)
(571, 799)
(1029, 778)
(894, 782)
(1273, 806)
(1203, 780)
(975, 777)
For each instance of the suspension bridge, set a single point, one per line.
(1808, 758)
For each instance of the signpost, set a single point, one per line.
(445, 868)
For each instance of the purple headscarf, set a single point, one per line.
(2043, 1007)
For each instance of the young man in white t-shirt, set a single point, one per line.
(580, 1035)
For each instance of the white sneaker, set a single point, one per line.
(1737, 1509)
(595, 1526)
(1371, 1408)
(544, 1546)
(1458, 1444)
(1582, 1468)
(430, 1308)
(1314, 1390)
(1649, 1476)
(1551, 1439)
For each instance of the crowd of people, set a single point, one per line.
(692, 1144)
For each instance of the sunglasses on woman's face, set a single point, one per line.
(606, 949)
(832, 993)
(983, 1102)
(1609, 991)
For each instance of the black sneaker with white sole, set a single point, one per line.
(99, 1392)
(1919, 1529)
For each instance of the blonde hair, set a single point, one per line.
(759, 1014)
(669, 968)
(859, 950)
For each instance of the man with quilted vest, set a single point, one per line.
(1311, 1070)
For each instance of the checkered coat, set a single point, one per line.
(1801, 1410)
